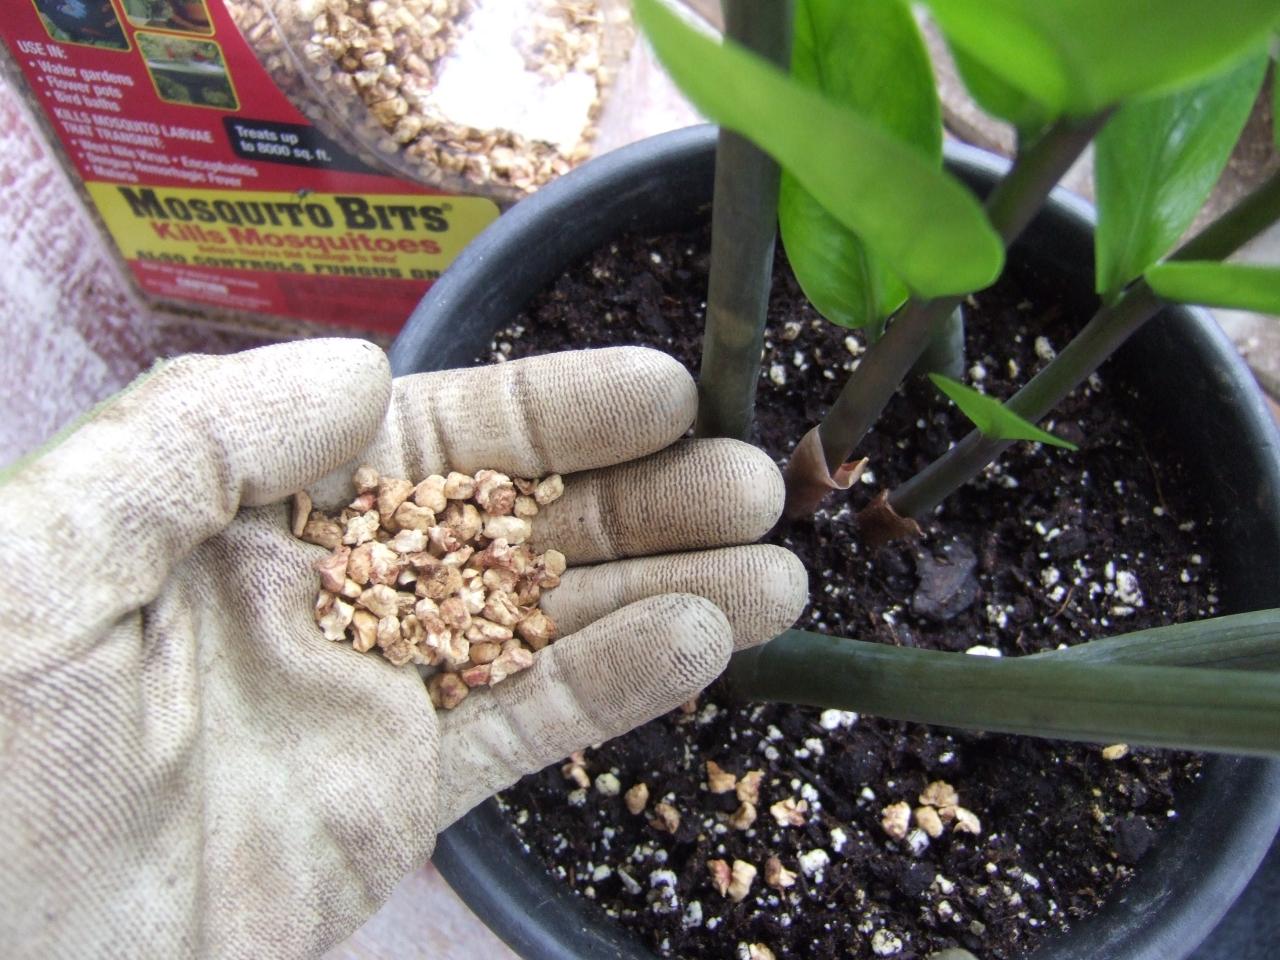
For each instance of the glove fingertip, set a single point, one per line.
(760, 487)
(672, 380)
(698, 645)
(610, 677)
(643, 659)
(336, 400)
(782, 592)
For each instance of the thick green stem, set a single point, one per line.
(1183, 707)
(1109, 328)
(945, 352)
(1242, 641)
(1251, 215)
(880, 372)
(743, 227)
(1102, 336)
(1010, 207)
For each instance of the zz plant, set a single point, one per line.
(831, 131)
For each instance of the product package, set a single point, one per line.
(290, 165)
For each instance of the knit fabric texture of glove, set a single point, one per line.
(187, 767)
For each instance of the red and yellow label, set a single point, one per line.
(216, 189)
(408, 237)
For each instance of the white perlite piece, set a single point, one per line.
(834, 719)
(440, 581)
(814, 862)
(1127, 589)
(628, 882)
(1044, 349)
(917, 842)
(885, 943)
(607, 785)
(664, 883)
(692, 915)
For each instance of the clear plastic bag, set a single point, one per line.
(483, 97)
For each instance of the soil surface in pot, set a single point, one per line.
(1048, 548)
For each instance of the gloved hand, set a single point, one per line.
(188, 767)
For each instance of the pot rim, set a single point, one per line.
(1152, 918)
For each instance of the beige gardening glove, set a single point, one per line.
(187, 767)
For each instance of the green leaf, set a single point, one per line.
(923, 222)
(1156, 162)
(1000, 99)
(1233, 286)
(868, 55)
(842, 279)
(1240, 641)
(1080, 56)
(992, 417)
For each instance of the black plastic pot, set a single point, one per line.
(1204, 859)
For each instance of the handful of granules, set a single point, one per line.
(495, 97)
(437, 573)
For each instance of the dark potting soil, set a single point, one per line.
(1047, 548)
